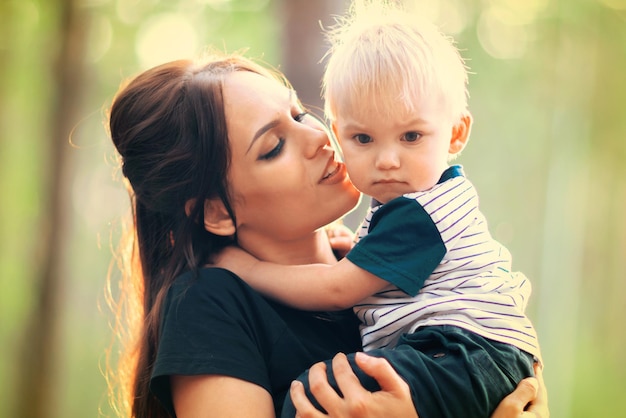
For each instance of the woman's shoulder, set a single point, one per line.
(209, 278)
(208, 304)
(207, 273)
(208, 284)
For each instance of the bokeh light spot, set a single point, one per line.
(451, 16)
(501, 39)
(515, 12)
(165, 37)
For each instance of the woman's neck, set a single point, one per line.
(310, 249)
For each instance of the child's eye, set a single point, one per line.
(275, 152)
(362, 138)
(412, 136)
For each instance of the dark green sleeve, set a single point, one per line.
(403, 245)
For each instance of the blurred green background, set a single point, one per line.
(548, 155)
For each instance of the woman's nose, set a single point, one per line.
(316, 140)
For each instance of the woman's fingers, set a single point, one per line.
(381, 370)
(321, 389)
(529, 400)
(394, 398)
(304, 407)
(356, 399)
(539, 405)
(514, 404)
(344, 375)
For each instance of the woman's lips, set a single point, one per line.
(334, 173)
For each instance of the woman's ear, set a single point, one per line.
(217, 220)
(460, 134)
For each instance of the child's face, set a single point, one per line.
(387, 157)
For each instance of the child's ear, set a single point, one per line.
(460, 134)
(217, 220)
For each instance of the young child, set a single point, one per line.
(434, 291)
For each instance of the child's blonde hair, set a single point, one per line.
(382, 56)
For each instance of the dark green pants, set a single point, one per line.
(452, 372)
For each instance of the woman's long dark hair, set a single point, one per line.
(169, 128)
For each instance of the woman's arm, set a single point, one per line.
(219, 396)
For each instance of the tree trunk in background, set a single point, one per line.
(36, 375)
(303, 46)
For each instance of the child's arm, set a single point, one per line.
(310, 287)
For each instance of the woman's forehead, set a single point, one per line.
(249, 86)
(252, 102)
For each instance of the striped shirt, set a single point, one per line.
(444, 268)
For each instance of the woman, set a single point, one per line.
(216, 153)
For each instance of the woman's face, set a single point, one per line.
(284, 178)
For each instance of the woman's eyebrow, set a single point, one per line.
(270, 125)
(262, 130)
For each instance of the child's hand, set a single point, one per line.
(236, 260)
(341, 239)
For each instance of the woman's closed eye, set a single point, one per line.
(278, 147)
(275, 151)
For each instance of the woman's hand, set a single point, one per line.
(530, 390)
(530, 398)
(393, 400)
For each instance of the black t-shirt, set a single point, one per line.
(216, 324)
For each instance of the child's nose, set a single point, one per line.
(387, 159)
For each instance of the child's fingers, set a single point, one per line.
(341, 244)
(339, 230)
